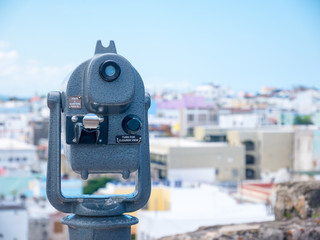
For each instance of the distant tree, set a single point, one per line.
(94, 184)
(13, 99)
(303, 120)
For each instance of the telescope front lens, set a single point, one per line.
(110, 70)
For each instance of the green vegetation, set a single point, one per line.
(94, 184)
(303, 120)
(288, 215)
(316, 215)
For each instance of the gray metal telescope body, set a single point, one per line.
(104, 129)
(114, 101)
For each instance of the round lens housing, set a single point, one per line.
(109, 71)
(131, 124)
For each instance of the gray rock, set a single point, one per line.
(270, 233)
(299, 199)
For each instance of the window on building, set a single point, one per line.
(24, 159)
(160, 159)
(162, 174)
(190, 117)
(17, 159)
(45, 234)
(216, 138)
(178, 183)
(202, 118)
(213, 118)
(250, 174)
(234, 172)
(250, 160)
(249, 145)
(58, 228)
(217, 171)
(190, 132)
(10, 159)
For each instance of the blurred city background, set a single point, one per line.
(235, 106)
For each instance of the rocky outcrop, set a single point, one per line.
(300, 199)
(293, 229)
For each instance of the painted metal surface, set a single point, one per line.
(88, 93)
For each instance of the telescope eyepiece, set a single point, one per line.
(109, 71)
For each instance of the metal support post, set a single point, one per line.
(99, 228)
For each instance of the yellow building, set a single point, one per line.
(159, 199)
(267, 150)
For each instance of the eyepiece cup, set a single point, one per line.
(109, 71)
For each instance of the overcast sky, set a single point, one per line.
(173, 44)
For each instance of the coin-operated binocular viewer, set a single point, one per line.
(101, 120)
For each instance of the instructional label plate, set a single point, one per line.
(130, 139)
(75, 102)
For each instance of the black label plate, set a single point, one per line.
(128, 139)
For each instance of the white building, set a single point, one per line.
(186, 113)
(306, 149)
(14, 125)
(13, 222)
(307, 102)
(191, 208)
(16, 154)
(213, 93)
(45, 222)
(240, 120)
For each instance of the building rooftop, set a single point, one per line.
(184, 142)
(268, 130)
(12, 144)
(14, 185)
(273, 129)
(11, 205)
(187, 101)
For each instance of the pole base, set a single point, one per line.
(99, 228)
